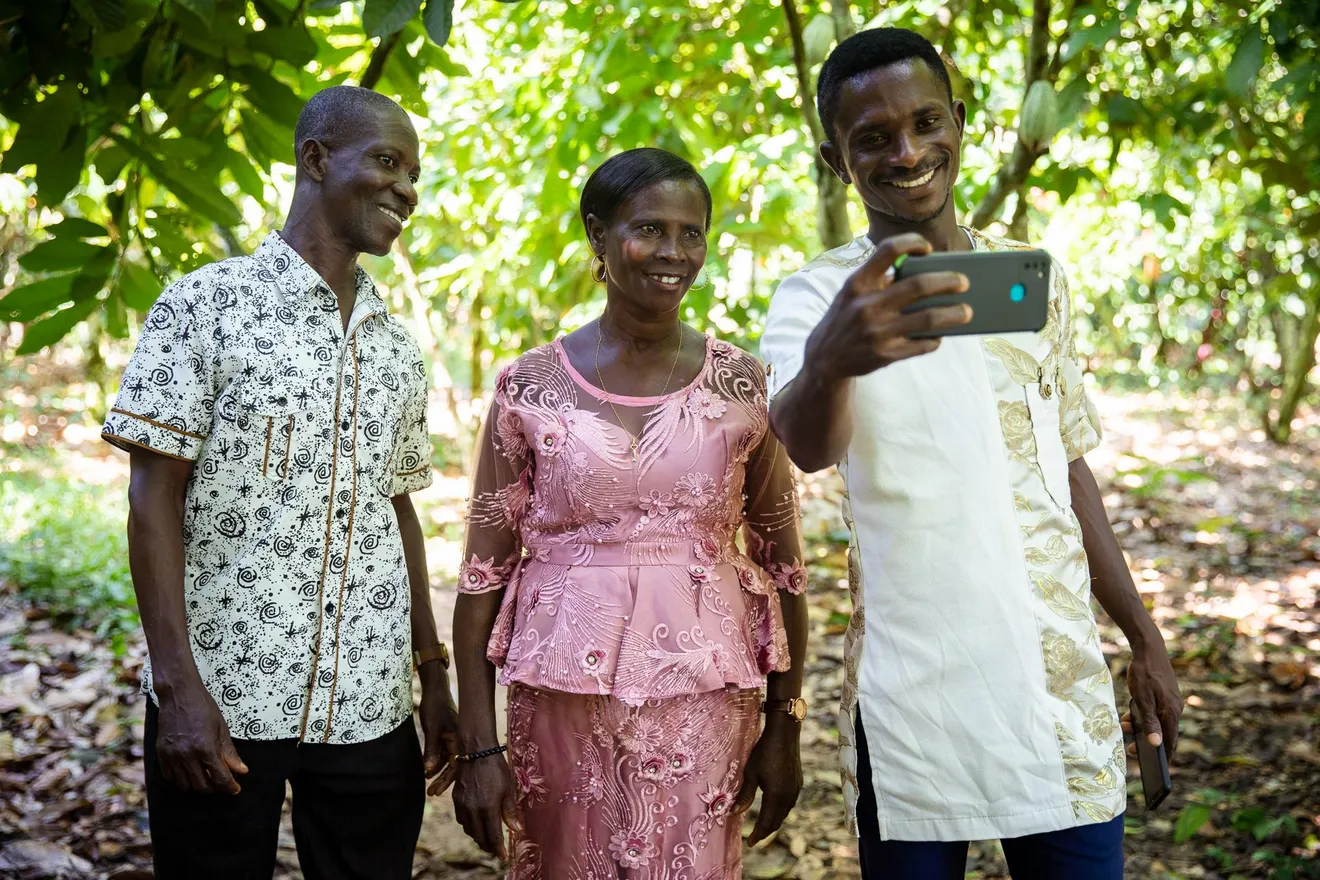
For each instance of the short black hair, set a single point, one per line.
(622, 176)
(864, 51)
(332, 115)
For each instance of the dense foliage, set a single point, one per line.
(145, 137)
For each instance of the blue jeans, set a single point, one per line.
(1089, 852)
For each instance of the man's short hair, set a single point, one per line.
(332, 115)
(865, 51)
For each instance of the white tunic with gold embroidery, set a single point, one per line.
(972, 655)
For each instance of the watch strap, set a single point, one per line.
(437, 651)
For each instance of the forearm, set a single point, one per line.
(1111, 582)
(787, 685)
(156, 561)
(812, 418)
(474, 619)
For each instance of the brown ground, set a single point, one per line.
(1221, 532)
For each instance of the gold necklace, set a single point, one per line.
(633, 441)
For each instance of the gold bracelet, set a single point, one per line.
(427, 655)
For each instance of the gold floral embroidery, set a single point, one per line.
(1015, 422)
(1061, 600)
(1101, 722)
(1064, 664)
(1056, 550)
(1024, 368)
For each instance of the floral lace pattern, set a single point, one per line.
(606, 790)
(624, 577)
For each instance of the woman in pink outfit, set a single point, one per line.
(602, 575)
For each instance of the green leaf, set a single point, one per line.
(271, 96)
(380, 18)
(77, 227)
(438, 18)
(265, 141)
(116, 317)
(190, 188)
(59, 171)
(109, 163)
(247, 178)
(1246, 63)
(138, 286)
(31, 301)
(1190, 820)
(1122, 110)
(56, 327)
(203, 9)
(60, 255)
(292, 44)
(107, 15)
(47, 126)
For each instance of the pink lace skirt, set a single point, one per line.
(606, 790)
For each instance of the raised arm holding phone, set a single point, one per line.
(977, 702)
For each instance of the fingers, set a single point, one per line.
(775, 808)
(912, 290)
(746, 794)
(1168, 714)
(229, 754)
(870, 276)
(215, 768)
(902, 348)
(492, 832)
(442, 782)
(509, 813)
(933, 320)
(1148, 713)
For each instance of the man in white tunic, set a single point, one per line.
(977, 702)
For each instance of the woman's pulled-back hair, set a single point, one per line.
(622, 176)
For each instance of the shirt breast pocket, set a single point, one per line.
(275, 428)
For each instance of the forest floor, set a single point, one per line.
(1222, 531)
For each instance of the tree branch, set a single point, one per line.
(379, 55)
(805, 86)
(1013, 173)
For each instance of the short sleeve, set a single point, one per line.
(795, 310)
(1079, 423)
(412, 443)
(166, 399)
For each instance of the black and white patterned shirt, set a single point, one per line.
(295, 584)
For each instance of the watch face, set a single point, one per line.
(798, 709)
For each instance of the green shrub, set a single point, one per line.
(63, 549)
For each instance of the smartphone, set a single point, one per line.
(1155, 781)
(1009, 291)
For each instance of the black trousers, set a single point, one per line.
(357, 811)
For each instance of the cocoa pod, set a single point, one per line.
(818, 38)
(1039, 121)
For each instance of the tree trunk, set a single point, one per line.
(476, 385)
(1297, 373)
(1019, 228)
(832, 225)
(1015, 171)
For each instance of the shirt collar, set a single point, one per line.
(295, 278)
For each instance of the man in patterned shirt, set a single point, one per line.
(275, 415)
(977, 703)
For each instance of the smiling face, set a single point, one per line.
(896, 139)
(654, 246)
(367, 182)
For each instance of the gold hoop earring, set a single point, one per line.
(598, 273)
(704, 277)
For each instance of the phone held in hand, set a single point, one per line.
(1155, 781)
(1009, 291)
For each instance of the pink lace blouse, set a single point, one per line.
(624, 577)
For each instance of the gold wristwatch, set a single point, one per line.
(435, 652)
(795, 708)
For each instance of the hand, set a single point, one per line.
(775, 767)
(193, 744)
(439, 718)
(865, 327)
(483, 798)
(1154, 688)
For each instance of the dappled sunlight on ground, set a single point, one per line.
(1221, 529)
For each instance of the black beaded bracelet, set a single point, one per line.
(484, 753)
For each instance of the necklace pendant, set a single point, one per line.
(634, 453)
